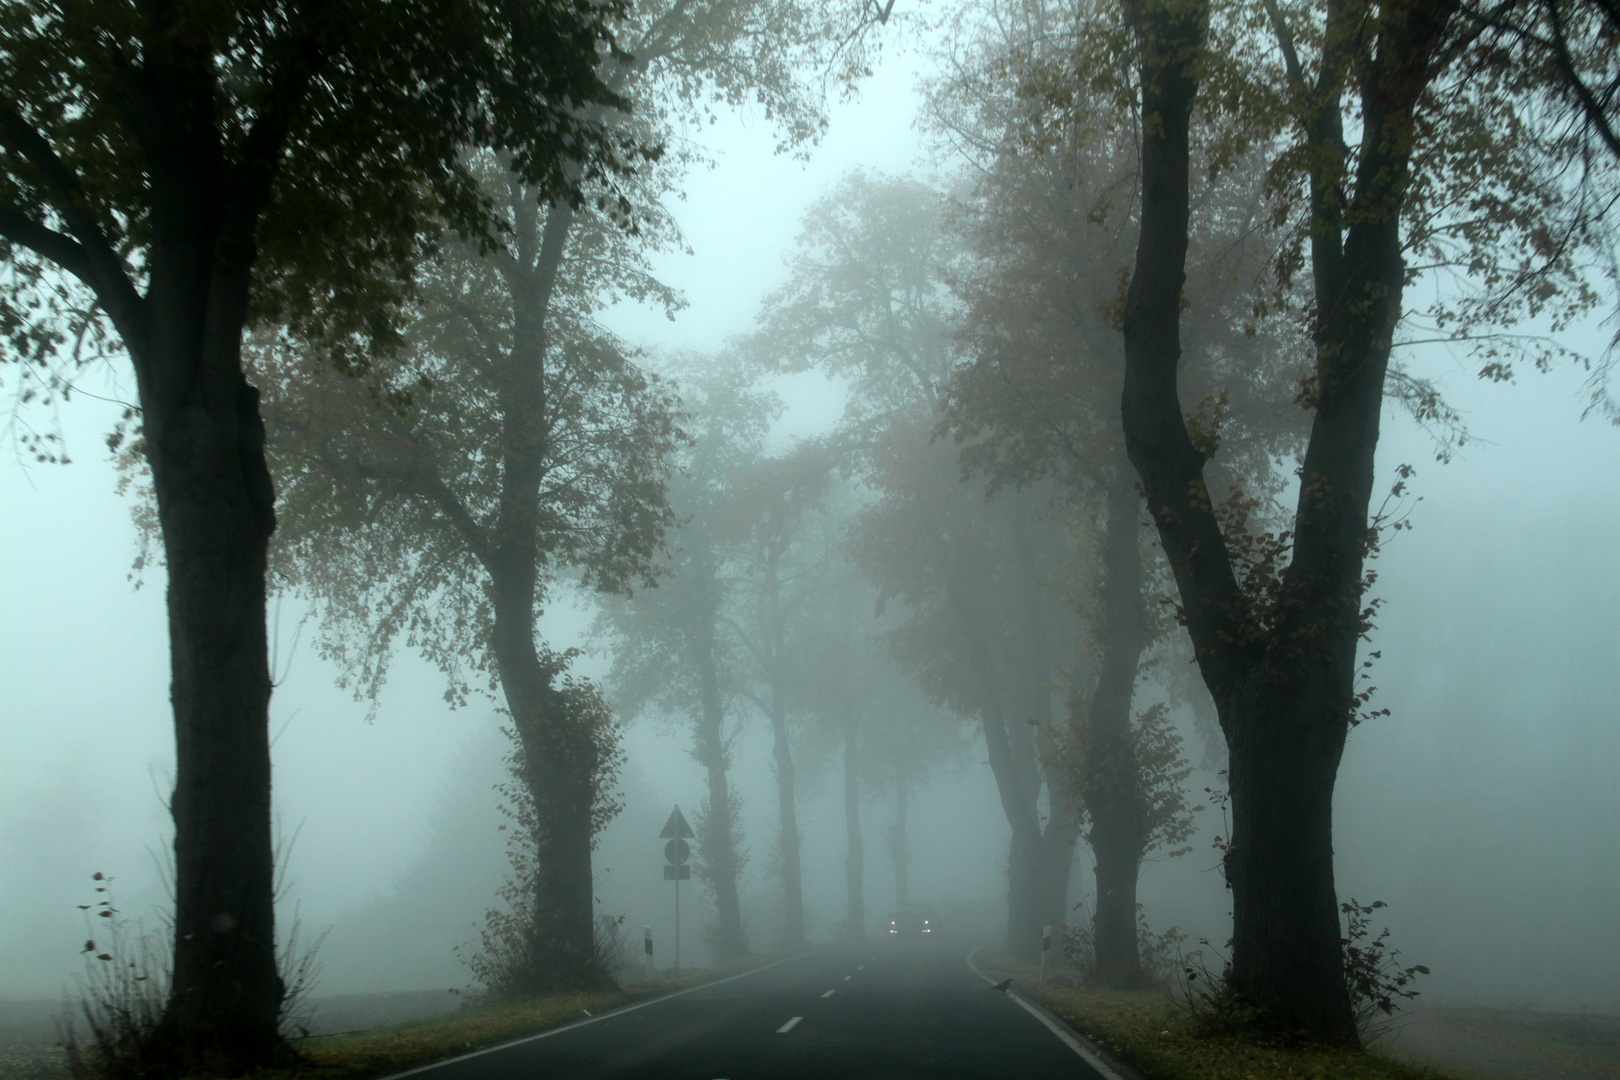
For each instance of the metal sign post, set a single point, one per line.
(676, 854)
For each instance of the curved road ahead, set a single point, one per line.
(883, 1010)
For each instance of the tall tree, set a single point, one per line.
(575, 452)
(673, 650)
(442, 494)
(772, 527)
(1050, 221)
(905, 741)
(842, 684)
(178, 171)
(860, 708)
(983, 630)
(868, 299)
(1447, 170)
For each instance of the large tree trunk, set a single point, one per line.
(1113, 925)
(788, 836)
(855, 859)
(560, 756)
(1050, 904)
(1286, 934)
(718, 830)
(559, 766)
(216, 509)
(1112, 786)
(1038, 858)
(204, 441)
(1282, 677)
(716, 842)
(1023, 890)
(1039, 862)
(1039, 895)
(899, 839)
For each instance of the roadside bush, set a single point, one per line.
(1373, 977)
(1160, 953)
(1377, 983)
(505, 963)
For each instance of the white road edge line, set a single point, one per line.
(829, 993)
(787, 1027)
(598, 1019)
(1053, 1026)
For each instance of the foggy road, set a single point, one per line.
(880, 1009)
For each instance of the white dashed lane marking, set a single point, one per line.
(829, 993)
(787, 1027)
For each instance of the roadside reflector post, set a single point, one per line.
(646, 942)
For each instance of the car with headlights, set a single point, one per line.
(913, 921)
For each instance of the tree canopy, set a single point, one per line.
(171, 173)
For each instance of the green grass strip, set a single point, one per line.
(1157, 1039)
(397, 1048)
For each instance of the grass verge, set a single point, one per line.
(393, 1049)
(1156, 1039)
(396, 1048)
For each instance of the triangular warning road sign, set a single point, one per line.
(676, 827)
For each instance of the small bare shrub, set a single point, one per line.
(121, 994)
(612, 946)
(124, 992)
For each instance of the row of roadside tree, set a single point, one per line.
(1113, 395)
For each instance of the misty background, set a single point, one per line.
(1485, 810)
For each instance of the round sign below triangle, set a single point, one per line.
(677, 851)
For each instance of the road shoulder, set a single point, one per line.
(984, 964)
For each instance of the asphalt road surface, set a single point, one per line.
(881, 1011)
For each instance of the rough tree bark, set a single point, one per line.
(1283, 679)
(1039, 895)
(1039, 856)
(560, 762)
(559, 770)
(1112, 785)
(205, 444)
(204, 440)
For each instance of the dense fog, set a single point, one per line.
(1484, 808)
